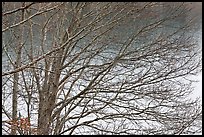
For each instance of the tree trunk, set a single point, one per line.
(16, 77)
(48, 95)
(14, 103)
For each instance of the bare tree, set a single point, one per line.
(99, 68)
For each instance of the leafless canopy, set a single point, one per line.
(99, 68)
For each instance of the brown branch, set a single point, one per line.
(16, 10)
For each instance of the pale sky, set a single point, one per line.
(198, 86)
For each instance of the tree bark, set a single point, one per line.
(16, 77)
